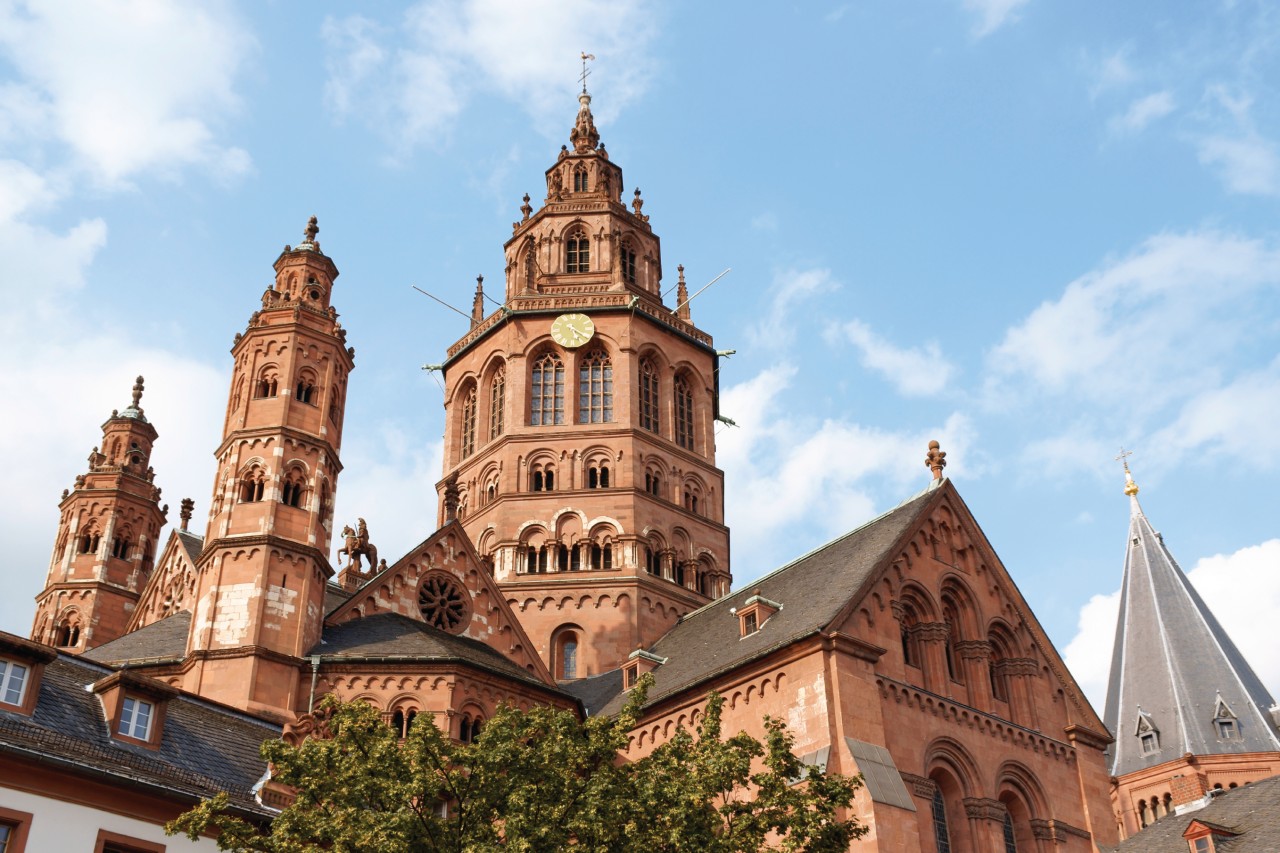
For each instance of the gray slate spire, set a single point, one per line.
(1175, 673)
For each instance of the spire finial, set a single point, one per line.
(936, 459)
(309, 233)
(584, 135)
(682, 295)
(137, 393)
(586, 72)
(477, 303)
(188, 507)
(1130, 487)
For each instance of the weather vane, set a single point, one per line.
(586, 72)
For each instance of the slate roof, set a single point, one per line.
(191, 543)
(165, 640)
(204, 748)
(334, 597)
(392, 637)
(595, 692)
(1172, 659)
(812, 590)
(1253, 811)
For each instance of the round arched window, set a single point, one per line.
(444, 603)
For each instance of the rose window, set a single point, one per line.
(443, 603)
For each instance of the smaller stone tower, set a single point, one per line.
(259, 597)
(106, 540)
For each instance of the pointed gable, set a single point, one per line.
(171, 588)
(1174, 660)
(443, 583)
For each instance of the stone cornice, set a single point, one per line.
(266, 541)
(984, 808)
(854, 646)
(920, 786)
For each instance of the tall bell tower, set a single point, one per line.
(580, 442)
(106, 541)
(263, 570)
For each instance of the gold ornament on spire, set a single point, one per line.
(1130, 487)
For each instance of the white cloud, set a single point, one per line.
(1245, 160)
(1247, 163)
(389, 479)
(993, 14)
(1112, 71)
(811, 481)
(126, 86)
(1143, 112)
(1247, 618)
(914, 371)
(1123, 332)
(790, 287)
(416, 78)
(1234, 419)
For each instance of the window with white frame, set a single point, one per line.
(13, 682)
(135, 718)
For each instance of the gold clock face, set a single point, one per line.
(572, 330)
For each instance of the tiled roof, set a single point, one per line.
(392, 637)
(1173, 660)
(812, 591)
(1252, 811)
(204, 748)
(160, 641)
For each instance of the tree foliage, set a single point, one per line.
(539, 780)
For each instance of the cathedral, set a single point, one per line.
(581, 543)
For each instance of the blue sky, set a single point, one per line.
(1034, 231)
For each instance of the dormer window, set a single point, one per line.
(755, 613)
(1225, 723)
(13, 682)
(638, 663)
(21, 665)
(134, 706)
(1147, 733)
(135, 718)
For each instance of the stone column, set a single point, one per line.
(1018, 673)
(931, 639)
(986, 822)
(975, 663)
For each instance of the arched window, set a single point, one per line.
(292, 490)
(89, 542)
(397, 723)
(536, 560)
(252, 485)
(598, 477)
(547, 399)
(497, 402)
(305, 390)
(1010, 841)
(577, 252)
(566, 663)
(333, 405)
(627, 257)
(542, 480)
(120, 547)
(941, 836)
(595, 389)
(652, 483)
(68, 631)
(469, 422)
(266, 386)
(530, 265)
(237, 395)
(652, 561)
(684, 413)
(469, 729)
(648, 395)
(580, 179)
(601, 556)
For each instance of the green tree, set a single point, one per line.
(538, 780)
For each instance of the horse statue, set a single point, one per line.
(356, 545)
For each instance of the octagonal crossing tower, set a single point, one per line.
(580, 416)
(264, 566)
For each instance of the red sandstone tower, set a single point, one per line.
(580, 426)
(263, 570)
(106, 538)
